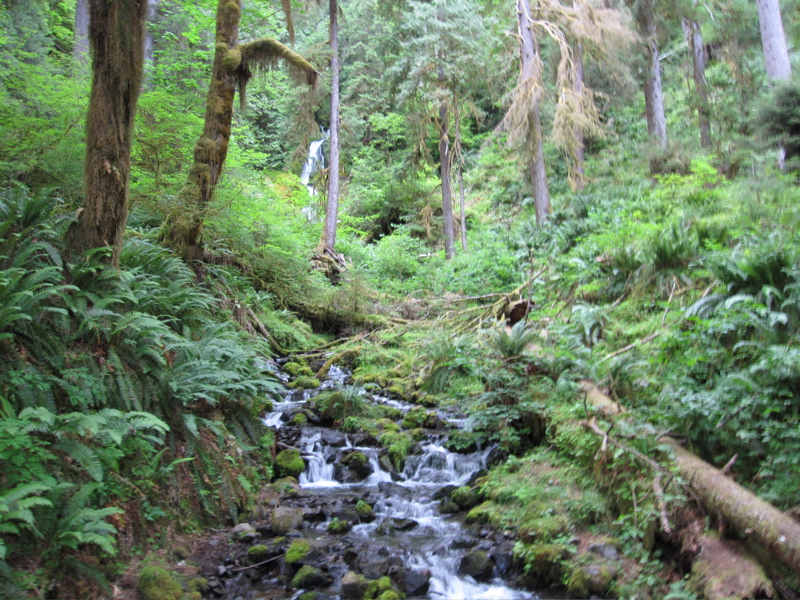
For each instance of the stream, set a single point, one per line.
(425, 553)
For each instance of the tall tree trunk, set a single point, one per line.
(116, 32)
(699, 68)
(328, 241)
(185, 223)
(653, 94)
(530, 67)
(232, 64)
(579, 178)
(80, 46)
(463, 211)
(773, 40)
(447, 197)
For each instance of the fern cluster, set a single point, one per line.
(119, 388)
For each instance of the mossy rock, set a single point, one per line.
(354, 586)
(589, 579)
(397, 445)
(286, 486)
(300, 420)
(156, 583)
(415, 418)
(465, 497)
(448, 506)
(365, 512)
(308, 577)
(378, 587)
(258, 553)
(391, 595)
(298, 369)
(358, 462)
(308, 596)
(546, 562)
(304, 383)
(337, 526)
(390, 412)
(297, 551)
(480, 514)
(289, 463)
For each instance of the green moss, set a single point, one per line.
(397, 445)
(297, 551)
(378, 587)
(546, 562)
(480, 514)
(337, 526)
(364, 510)
(415, 418)
(308, 596)
(232, 59)
(257, 553)
(544, 528)
(289, 463)
(296, 369)
(465, 497)
(300, 420)
(391, 595)
(156, 583)
(304, 383)
(307, 576)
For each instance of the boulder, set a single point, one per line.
(402, 524)
(333, 438)
(283, 519)
(413, 582)
(375, 569)
(594, 578)
(354, 586)
(477, 564)
(289, 463)
(309, 577)
(358, 463)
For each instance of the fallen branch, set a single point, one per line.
(255, 565)
(629, 347)
(662, 505)
(748, 514)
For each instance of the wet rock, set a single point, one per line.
(358, 463)
(402, 524)
(462, 544)
(477, 564)
(495, 457)
(354, 586)
(375, 569)
(365, 439)
(337, 526)
(333, 438)
(309, 577)
(315, 514)
(444, 492)
(283, 519)
(414, 583)
(448, 506)
(386, 464)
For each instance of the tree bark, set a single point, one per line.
(80, 46)
(579, 178)
(753, 518)
(328, 241)
(447, 198)
(773, 40)
(653, 94)
(695, 38)
(233, 64)
(463, 211)
(116, 33)
(530, 66)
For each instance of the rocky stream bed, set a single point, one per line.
(356, 527)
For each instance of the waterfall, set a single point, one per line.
(315, 160)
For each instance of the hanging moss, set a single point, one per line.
(232, 59)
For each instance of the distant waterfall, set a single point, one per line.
(315, 160)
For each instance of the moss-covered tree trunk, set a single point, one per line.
(233, 64)
(116, 35)
(185, 222)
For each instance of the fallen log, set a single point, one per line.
(749, 515)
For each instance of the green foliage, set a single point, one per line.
(779, 121)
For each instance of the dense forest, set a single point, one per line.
(565, 232)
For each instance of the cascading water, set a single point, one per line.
(409, 527)
(315, 160)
